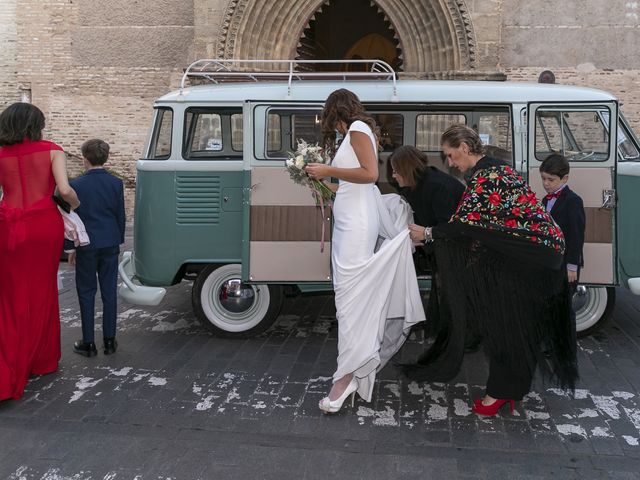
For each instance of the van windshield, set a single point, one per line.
(626, 145)
(627, 142)
(212, 133)
(161, 137)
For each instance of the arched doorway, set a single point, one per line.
(350, 29)
(432, 38)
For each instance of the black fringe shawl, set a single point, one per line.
(507, 290)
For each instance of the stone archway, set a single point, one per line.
(434, 37)
(347, 30)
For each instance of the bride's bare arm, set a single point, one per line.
(366, 173)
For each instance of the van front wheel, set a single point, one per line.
(230, 308)
(593, 307)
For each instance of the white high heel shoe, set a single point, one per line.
(329, 406)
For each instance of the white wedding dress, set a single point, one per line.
(374, 279)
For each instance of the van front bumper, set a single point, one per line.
(131, 291)
(634, 285)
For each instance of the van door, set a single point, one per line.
(584, 133)
(287, 238)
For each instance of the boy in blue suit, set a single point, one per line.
(567, 209)
(102, 212)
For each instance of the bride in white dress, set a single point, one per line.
(376, 289)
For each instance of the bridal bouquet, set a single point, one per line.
(299, 159)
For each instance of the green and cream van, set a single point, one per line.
(215, 205)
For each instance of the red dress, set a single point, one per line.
(31, 238)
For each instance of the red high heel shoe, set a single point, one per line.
(491, 410)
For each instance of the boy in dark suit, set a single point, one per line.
(102, 212)
(567, 209)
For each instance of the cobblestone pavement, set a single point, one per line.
(178, 403)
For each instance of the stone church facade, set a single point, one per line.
(95, 67)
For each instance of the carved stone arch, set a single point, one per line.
(376, 26)
(434, 36)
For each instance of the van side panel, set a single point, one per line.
(195, 217)
(208, 217)
(154, 228)
(628, 183)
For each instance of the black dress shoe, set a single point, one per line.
(110, 346)
(84, 348)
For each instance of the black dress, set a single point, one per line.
(433, 201)
(435, 197)
(499, 265)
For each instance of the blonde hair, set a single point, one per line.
(459, 133)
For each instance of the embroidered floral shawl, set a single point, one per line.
(497, 198)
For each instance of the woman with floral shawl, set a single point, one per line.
(500, 279)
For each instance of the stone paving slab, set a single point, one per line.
(176, 402)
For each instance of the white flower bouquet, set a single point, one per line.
(299, 159)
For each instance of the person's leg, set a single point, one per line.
(108, 278)
(573, 287)
(507, 382)
(86, 286)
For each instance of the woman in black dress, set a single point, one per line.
(499, 265)
(433, 196)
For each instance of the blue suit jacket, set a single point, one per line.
(568, 212)
(101, 207)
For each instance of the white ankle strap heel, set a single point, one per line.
(329, 406)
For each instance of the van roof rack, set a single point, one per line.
(219, 70)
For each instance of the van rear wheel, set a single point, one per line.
(593, 307)
(233, 309)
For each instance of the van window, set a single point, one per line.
(286, 126)
(580, 135)
(274, 144)
(160, 146)
(493, 124)
(236, 132)
(430, 127)
(212, 133)
(495, 130)
(391, 130)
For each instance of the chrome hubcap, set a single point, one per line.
(235, 296)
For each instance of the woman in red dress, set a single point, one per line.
(31, 237)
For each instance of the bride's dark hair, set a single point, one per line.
(343, 106)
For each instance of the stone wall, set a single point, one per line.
(587, 43)
(9, 89)
(570, 34)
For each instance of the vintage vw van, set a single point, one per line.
(215, 205)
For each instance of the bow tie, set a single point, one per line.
(553, 195)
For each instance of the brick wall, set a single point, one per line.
(95, 68)
(624, 84)
(9, 91)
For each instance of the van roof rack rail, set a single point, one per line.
(219, 70)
